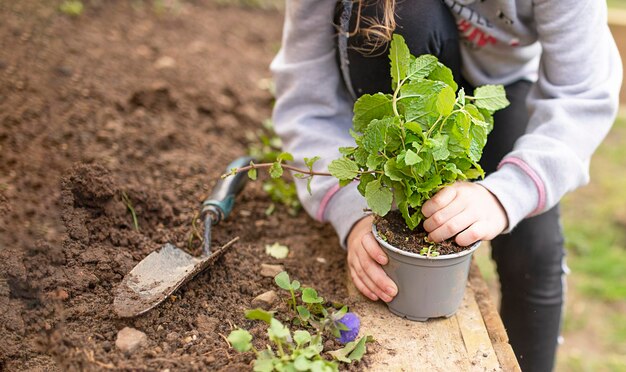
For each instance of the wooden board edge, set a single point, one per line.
(493, 322)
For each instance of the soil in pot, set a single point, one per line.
(395, 231)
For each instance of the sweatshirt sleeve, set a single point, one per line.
(571, 108)
(313, 110)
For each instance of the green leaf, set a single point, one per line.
(352, 351)
(360, 156)
(429, 184)
(259, 314)
(369, 107)
(360, 349)
(374, 161)
(311, 161)
(308, 185)
(478, 140)
(309, 296)
(491, 97)
(302, 363)
(413, 127)
(421, 67)
(374, 135)
(400, 58)
(301, 337)
(343, 169)
(363, 181)
(440, 147)
(285, 156)
(295, 285)
(304, 313)
(264, 362)
(282, 280)
(276, 170)
(240, 339)
(411, 158)
(392, 171)
(347, 151)
(277, 330)
(252, 174)
(277, 250)
(379, 198)
(445, 101)
(443, 74)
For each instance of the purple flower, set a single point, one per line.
(350, 320)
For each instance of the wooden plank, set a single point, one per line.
(459, 343)
(492, 320)
(476, 338)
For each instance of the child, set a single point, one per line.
(562, 73)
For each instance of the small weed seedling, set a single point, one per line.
(131, 209)
(301, 349)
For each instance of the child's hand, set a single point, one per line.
(466, 209)
(364, 259)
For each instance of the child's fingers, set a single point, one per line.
(373, 276)
(373, 249)
(444, 215)
(453, 226)
(358, 283)
(439, 201)
(471, 235)
(385, 288)
(369, 285)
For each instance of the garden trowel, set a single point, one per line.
(166, 269)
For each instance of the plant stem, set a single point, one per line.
(289, 167)
(293, 298)
(285, 166)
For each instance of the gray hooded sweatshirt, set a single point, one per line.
(563, 46)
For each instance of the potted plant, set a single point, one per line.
(410, 144)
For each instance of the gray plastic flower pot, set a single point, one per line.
(428, 287)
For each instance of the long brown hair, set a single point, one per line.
(377, 31)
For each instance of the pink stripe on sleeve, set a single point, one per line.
(541, 189)
(329, 194)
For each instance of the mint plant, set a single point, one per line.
(410, 144)
(302, 348)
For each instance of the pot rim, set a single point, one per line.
(386, 245)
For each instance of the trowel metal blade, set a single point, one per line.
(157, 276)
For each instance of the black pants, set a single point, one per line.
(530, 259)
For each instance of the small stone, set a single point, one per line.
(130, 339)
(270, 271)
(165, 62)
(188, 339)
(265, 300)
(321, 260)
(159, 328)
(485, 355)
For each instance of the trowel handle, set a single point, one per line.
(221, 201)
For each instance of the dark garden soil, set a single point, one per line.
(152, 104)
(395, 231)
